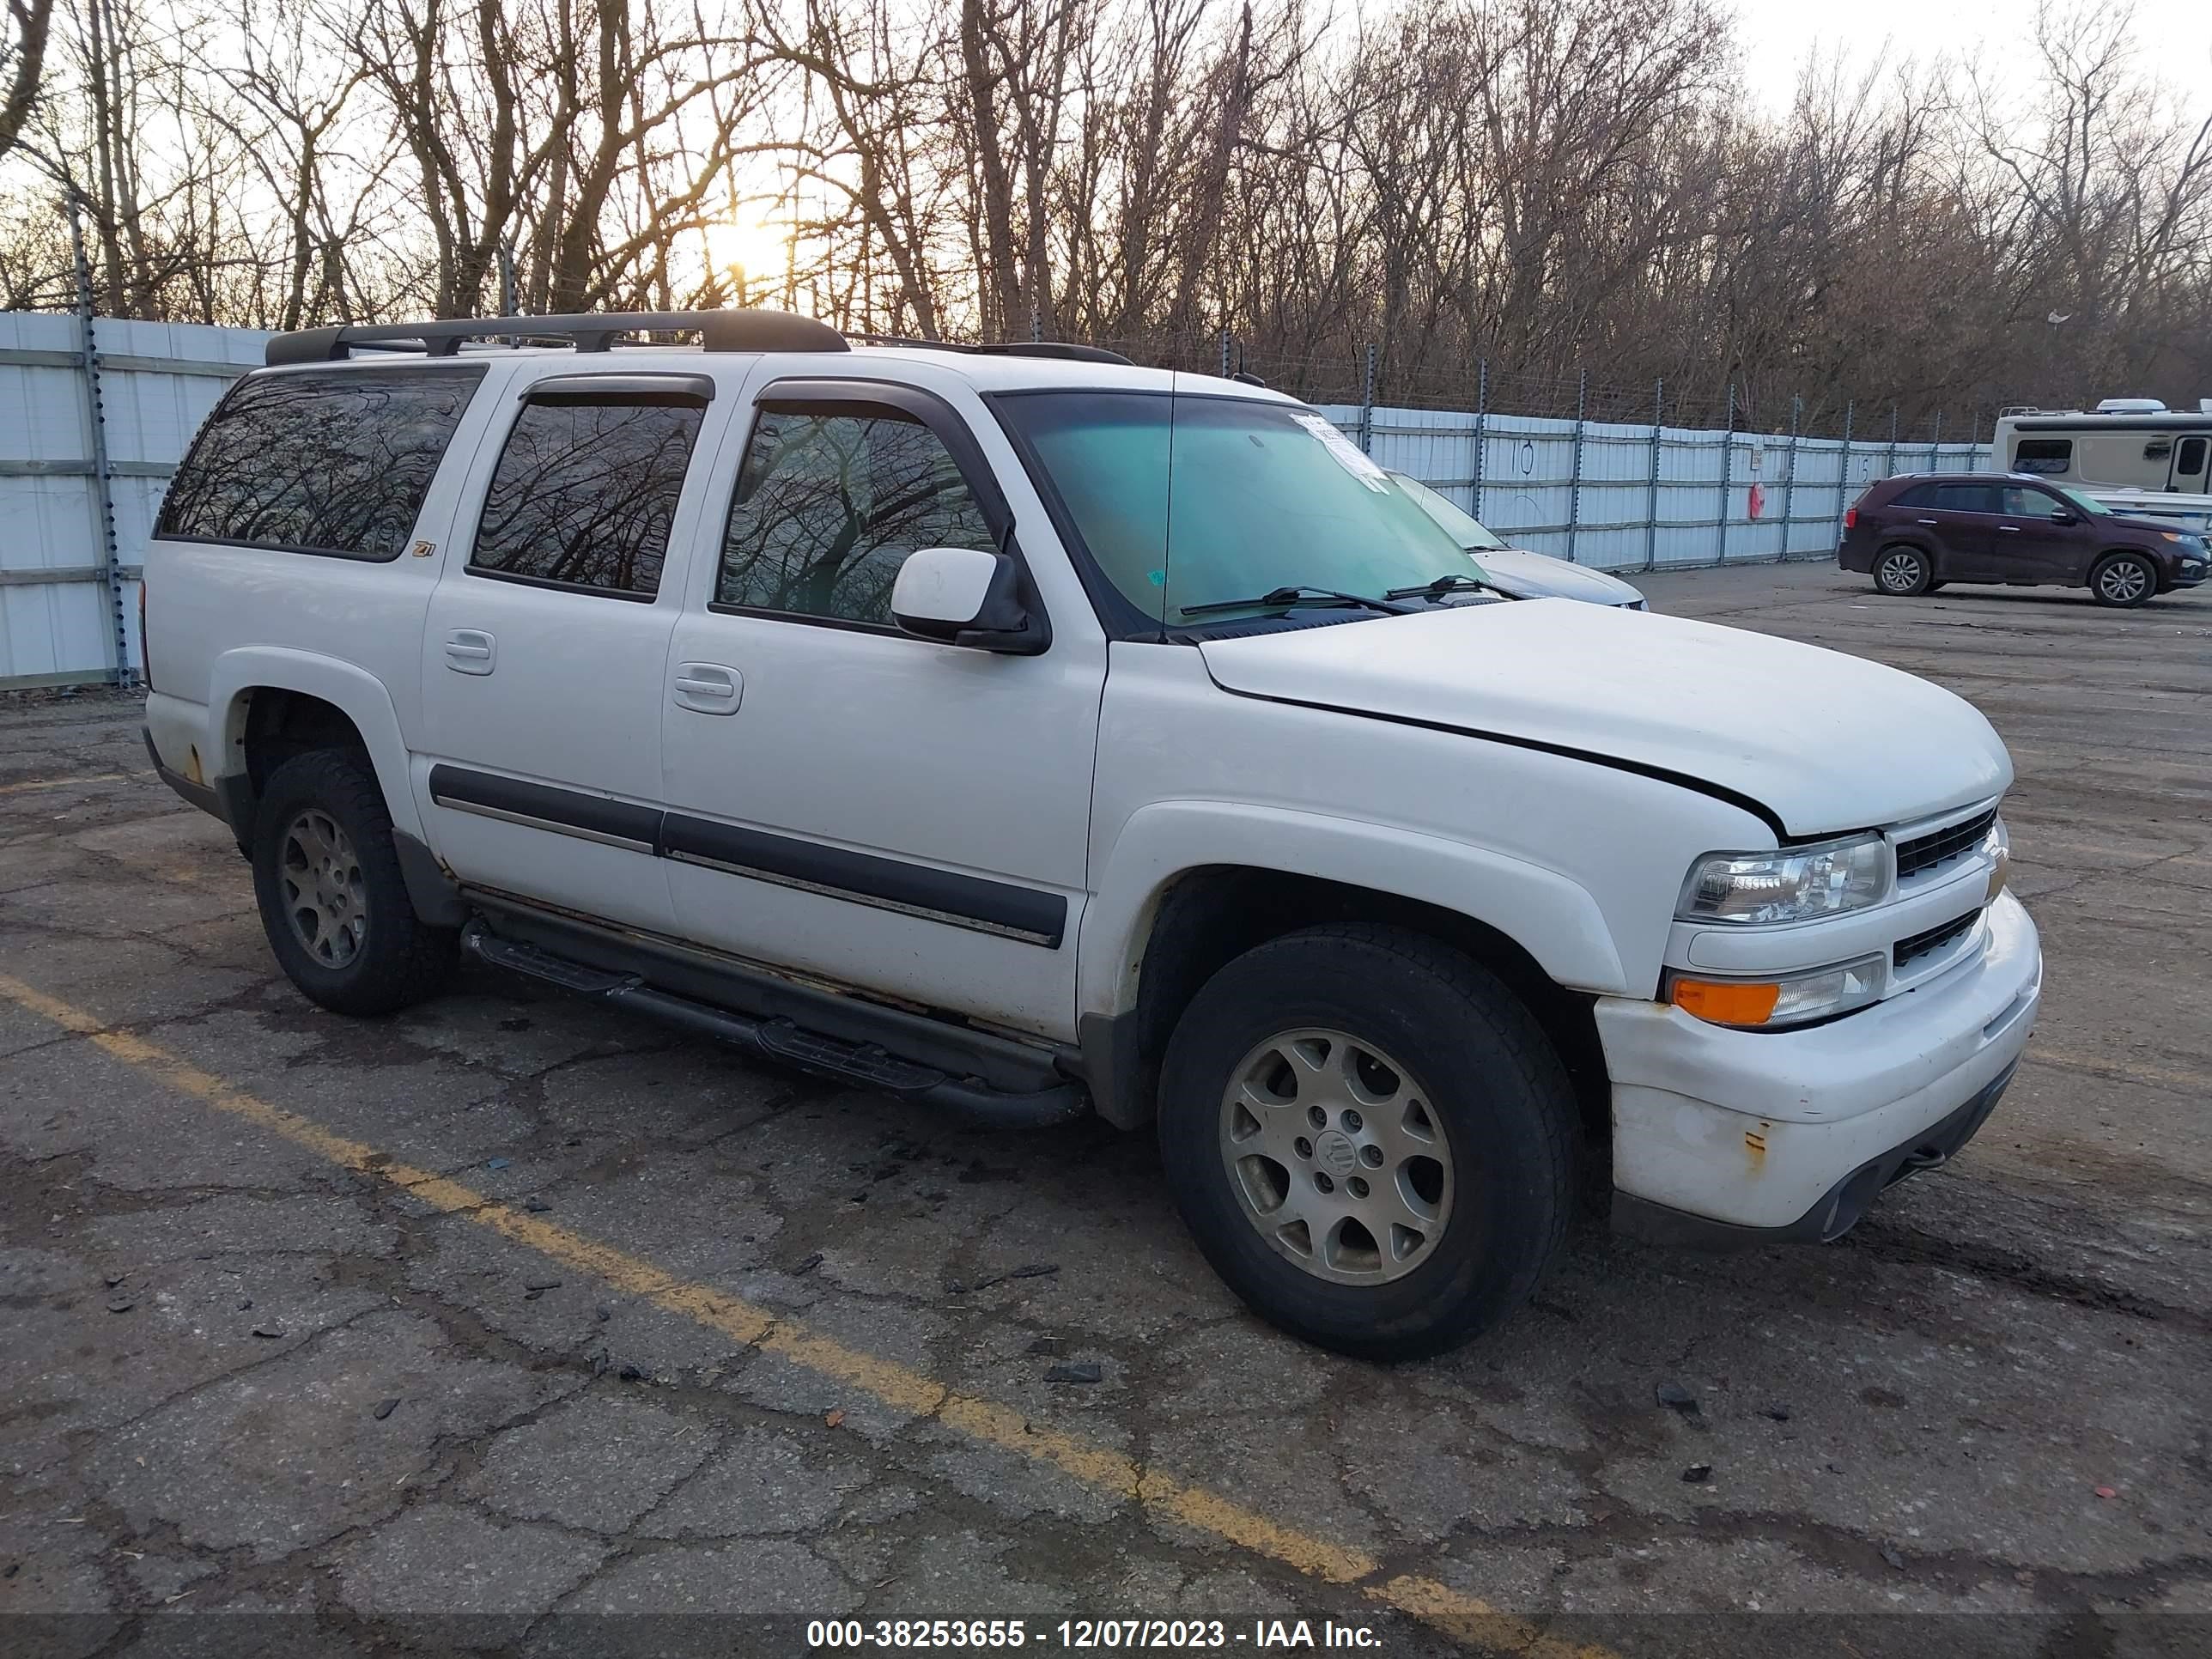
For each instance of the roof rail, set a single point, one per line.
(718, 330)
(1065, 350)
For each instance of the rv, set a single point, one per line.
(2125, 449)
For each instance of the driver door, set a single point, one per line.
(885, 812)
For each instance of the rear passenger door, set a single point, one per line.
(538, 765)
(1960, 520)
(845, 800)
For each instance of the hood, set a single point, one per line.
(1533, 576)
(2149, 526)
(1826, 743)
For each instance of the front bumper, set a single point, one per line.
(1790, 1134)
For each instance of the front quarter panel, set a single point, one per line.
(1578, 862)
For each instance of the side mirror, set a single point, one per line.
(964, 596)
(2060, 515)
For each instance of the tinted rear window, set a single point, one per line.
(2043, 455)
(1966, 497)
(332, 463)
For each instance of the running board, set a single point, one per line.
(866, 1064)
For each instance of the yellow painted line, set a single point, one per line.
(1464, 1617)
(59, 783)
(2157, 1077)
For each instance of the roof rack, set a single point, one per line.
(718, 330)
(1065, 350)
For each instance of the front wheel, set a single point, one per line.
(333, 901)
(1370, 1137)
(2125, 581)
(1903, 571)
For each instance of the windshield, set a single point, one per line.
(1461, 527)
(2093, 508)
(1195, 500)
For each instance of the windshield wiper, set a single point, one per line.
(1454, 583)
(1300, 593)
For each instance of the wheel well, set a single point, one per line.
(281, 724)
(1213, 914)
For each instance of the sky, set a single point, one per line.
(2174, 37)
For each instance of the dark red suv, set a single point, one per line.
(1918, 530)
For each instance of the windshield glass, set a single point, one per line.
(2093, 508)
(1196, 500)
(1461, 527)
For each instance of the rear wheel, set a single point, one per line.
(1903, 571)
(2123, 580)
(1370, 1138)
(333, 901)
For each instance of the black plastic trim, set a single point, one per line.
(812, 396)
(1719, 792)
(1001, 1065)
(198, 794)
(566, 810)
(1026, 914)
(590, 590)
(687, 390)
(431, 888)
(1113, 1067)
(940, 895)
(718, 330)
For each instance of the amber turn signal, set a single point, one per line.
(1727, 1001)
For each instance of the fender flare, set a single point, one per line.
(1553, 917)
(355, 692)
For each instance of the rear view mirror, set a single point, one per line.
(964, 596)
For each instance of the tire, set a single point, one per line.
(1933, 587)
(346, 934)
(2123, 581)
(1481, 1171)
(1902, 572)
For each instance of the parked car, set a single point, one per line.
(1917, 531)
(1025, 734)
(1514, 571)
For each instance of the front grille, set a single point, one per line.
(1925, 852)
(1931, 939)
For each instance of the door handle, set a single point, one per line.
(2009, 529)
(1931, 523)
(709, 688)
(471, 651)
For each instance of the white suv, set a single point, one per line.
(1021, 732)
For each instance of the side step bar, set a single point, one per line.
(864, 1063)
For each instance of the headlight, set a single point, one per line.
(1771, 1004)
(1797, 883)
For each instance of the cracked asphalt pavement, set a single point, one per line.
(468, 1329)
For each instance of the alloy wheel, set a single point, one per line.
(325, 898)
(1336, 1156)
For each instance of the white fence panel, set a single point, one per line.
(1623, 496)
(157, 382)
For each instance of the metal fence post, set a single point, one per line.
(1651, 499)
(1935, 449)
(1481, 427)
(1367, 405)
(1728, 469)
(1893, 440)
(1574, 483)
(1225, 354)
(1843, 471)
(103, 495)
(1789, 482)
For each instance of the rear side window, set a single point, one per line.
(2043, 455)
(334, 463)
(1966, 498)
(828, 508)
(585, 493)
(1919, 496)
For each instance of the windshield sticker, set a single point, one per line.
(1346, 454)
